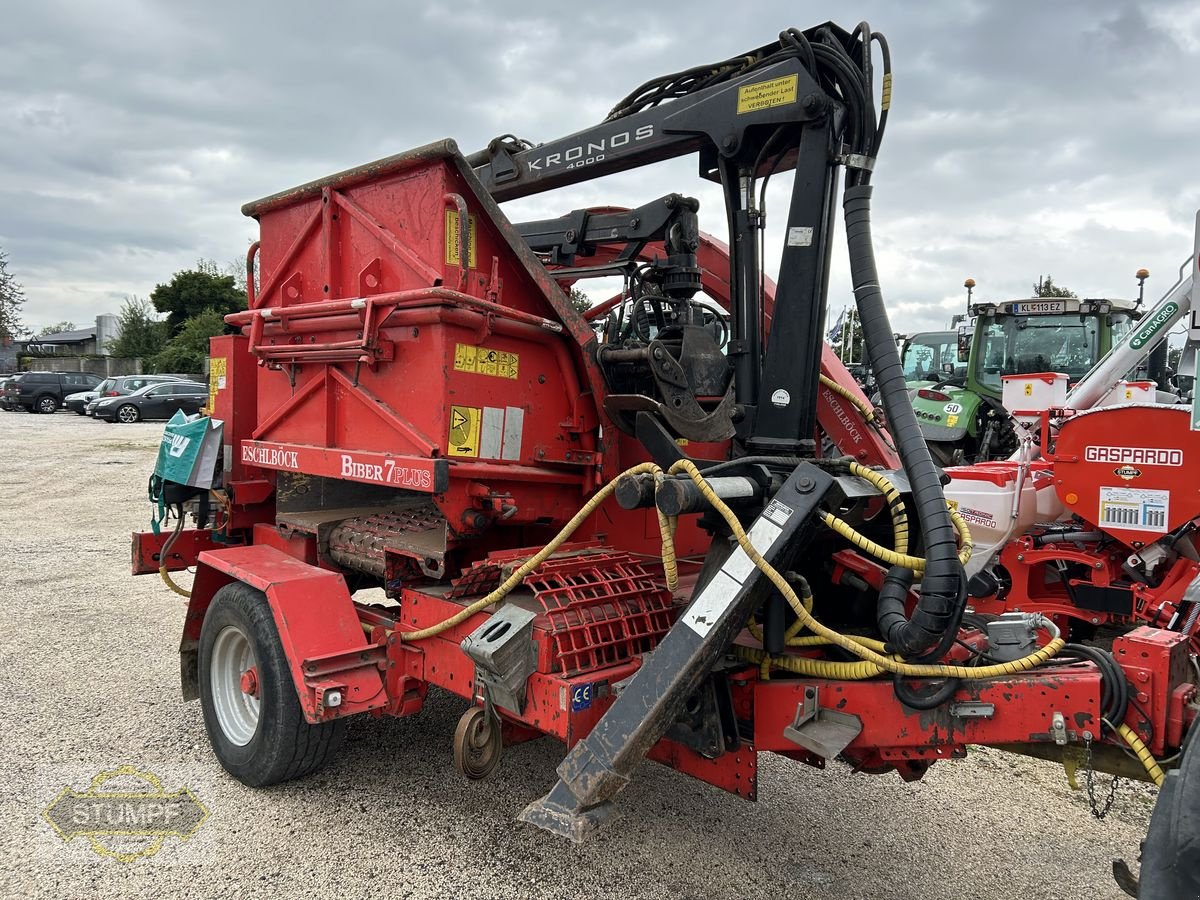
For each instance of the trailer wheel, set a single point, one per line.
(251, 711)
(477, 743)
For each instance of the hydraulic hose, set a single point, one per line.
(943, 583)
(163, 572)
(907, 695)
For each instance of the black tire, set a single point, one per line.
(1171, 851)
(45, 404)
(284, 746)
(128, 414)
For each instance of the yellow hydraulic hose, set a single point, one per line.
(162, 559)
(891, 557)
(806, 619)
(886, 663)
(894, 501)
(665, 528)
(1142, 752)
(864, 409)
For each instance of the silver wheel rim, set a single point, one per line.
(48, 406)
(127, 414)
(237, 712)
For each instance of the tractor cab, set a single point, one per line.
(960, 414)
(930, 357)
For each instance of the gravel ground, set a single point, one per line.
(89, 669)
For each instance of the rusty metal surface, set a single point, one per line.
(363, 542)
(387, 165)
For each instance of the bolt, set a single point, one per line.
(570, 235)
(1087, 735)
(812, 102)
(1099, 565)
(1020, 557)
(804, 484)
(730, 142)
(541, 379)
(1095, 621)
(658, 353)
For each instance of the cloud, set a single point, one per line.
(1025, 138)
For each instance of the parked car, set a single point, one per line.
(77, 402)
(124, 385)
(44, 392)
(154, 401)
(8, 392)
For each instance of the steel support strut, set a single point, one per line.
(600, 765)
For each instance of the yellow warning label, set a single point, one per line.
(1028, 390)
(482, 361)
(464, 431)
(216, 379)
(951, 421)
(765, 94)
(452, 239)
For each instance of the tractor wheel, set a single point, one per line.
(251, 710)
(128, 414)
(45, 404)
(477, 743)
(1171, 851)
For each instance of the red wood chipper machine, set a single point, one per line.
(670, 526)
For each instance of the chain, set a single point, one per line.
(1089, 779)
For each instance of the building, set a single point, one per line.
(93, 341)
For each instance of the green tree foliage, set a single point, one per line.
(1047, 288)
(194, 291)
(142, 335)
(55, 329)
(580, 300)
(12, 296)
(187, 350)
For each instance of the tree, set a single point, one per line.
(581, 301)
(194, 291)
(12, 296)
(1046, 287)
(55, 329)
(142, 335)
(186, 352)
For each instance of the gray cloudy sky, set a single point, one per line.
(1025, 137)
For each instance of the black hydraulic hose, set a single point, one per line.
(909, 697)
(935, 620)
(1114, 695)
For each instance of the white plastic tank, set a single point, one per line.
(984, 493)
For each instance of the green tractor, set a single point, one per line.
(956, 394)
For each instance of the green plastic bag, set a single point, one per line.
(189, 451)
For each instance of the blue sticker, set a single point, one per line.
(581, 697)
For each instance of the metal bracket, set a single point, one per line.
(825, 732)
(972, 709)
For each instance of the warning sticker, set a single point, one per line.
(719, 594)
(216, 379)
(765, 94)
(464, 431)
(452, 239)
(1135, 509)
(482, 361)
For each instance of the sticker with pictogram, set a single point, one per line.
(463, 439)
